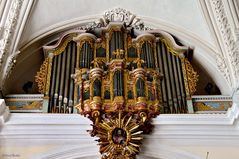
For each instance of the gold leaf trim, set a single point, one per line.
(127, 145)
(192, 77)
(41, 77)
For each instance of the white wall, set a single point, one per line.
(60, 136)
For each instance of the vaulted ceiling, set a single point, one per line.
(206, 26)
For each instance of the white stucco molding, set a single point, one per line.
(218, 21)
(8, 25)
(75, 126)
(4, 112)
(12, 23)
(153, 151)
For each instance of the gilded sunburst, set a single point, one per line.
(119, 137)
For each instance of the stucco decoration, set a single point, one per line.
(8, 28)
(117, 15)
(231, 49)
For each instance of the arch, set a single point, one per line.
(204, 53)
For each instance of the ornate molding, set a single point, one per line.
(229, 42)
(4, 111)
(117, 15)
(192, 77)
(41, 77)
(11, 63)
(9, 27)
(223, 67)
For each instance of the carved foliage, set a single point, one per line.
(9, 27)
(192, 77)
(116, 15)
(41, 77)
(227, 36)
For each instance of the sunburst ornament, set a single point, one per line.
(119, 138)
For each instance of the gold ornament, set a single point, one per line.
(41, 77)
(119, 137)
(192, 77)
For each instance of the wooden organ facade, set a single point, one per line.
(118, 77)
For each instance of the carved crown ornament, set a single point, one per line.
(117, 15)
(118, 79)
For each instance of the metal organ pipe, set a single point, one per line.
(172, 82)
(64, 95)
(181, 82)
(62, 82)
(178, 95)
(51, 102)
(167, 79)
(163, 82)
(62, 86)
(72, 66)
(67, 76)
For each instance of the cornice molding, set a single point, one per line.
(8, 28)
(12, 24)
(4, 112)
(228, 60)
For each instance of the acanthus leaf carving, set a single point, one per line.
(230, 44)
(117, 15)
(41, 77)
(8, 28)
(222, 66)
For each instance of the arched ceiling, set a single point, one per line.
(46, 15)
(44, 21)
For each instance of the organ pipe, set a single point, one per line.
(117, 72)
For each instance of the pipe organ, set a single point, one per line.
(116, 76)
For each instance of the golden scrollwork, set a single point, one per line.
(127, 94)
(192, 77)
(139, 62)
(41, 77)
(62, 46)
(118, 53)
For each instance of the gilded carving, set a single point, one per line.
(120, 95)
(119, 137)
(192, 76)
(41, 77)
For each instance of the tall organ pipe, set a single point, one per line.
(167, 78)
(172, 81)
(163, 84)
(53, 75)
(56, 96)
(62, 81)
(66, 90)
(181, 81)
(178, 93)
(73, 65)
